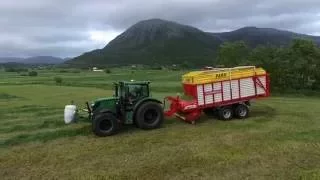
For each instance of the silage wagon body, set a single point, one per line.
(217, 89)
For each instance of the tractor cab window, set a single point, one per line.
(120, 91)
(136, 91)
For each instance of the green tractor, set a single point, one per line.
(131, 104)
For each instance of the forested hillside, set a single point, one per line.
(296, 67)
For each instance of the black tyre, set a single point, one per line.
(105, 124)
(225, 113)
(241, 111)
(149, 115)
(210, 112)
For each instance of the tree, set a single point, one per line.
(304, 55)
(108, 71)
(265, 56)
(33, 73)
(58, 80)
(233, 54)
(293, 67)
(187, 65)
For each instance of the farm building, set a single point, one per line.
(95, 69)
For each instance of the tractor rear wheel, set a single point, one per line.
(105, 124)
(149, 115)
(225, 113)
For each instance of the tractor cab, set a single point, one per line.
(131, 92)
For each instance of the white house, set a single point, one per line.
(95, 69)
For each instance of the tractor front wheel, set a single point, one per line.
(149, 115)
(105, 124)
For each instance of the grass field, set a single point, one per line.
(280, 140)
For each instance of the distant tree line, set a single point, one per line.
(22, 71)
(294, 67)
(16, 69)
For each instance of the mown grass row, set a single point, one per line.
(261, 116)
(30, 126)
(45, 136)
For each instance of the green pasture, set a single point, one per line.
(280, 140)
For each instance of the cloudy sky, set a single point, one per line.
(67, 28)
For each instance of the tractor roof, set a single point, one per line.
(132, 82)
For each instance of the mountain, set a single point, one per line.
(157, 41)
(254, 36)
(154, 41)
(44, 60)
(33, 60)
(10, 59)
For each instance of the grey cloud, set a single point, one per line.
(294, 22)
(60, 49)
(197, 12)
(61, 28)
(52, 36)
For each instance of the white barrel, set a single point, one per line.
(70, 113)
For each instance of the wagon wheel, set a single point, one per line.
(241, 111)
(225, 113)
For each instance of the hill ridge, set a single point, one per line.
(33, 60)
(157, 41)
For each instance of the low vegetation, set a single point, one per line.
(5, 96)
(18, 70)
(58, 80)
(33, 73)
(279, 141)
(108, 71)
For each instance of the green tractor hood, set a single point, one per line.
(104, 103)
